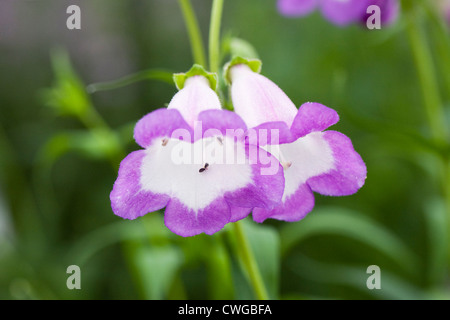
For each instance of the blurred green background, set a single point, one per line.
(60, 150)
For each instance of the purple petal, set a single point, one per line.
(273, 133)
(313, 117)
(389, 10)
(343, 12)
(158, 124)
(350, 171)
(239, 213)
(128, 200)
(266, 189)
(293, 208)
(446, 11)
(186, 222)
(220, 121)
(296, 8)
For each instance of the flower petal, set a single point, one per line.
(128, 200)
(307, 157)
(266, 188)
(236, 178)
(275, 132)
(158, 124)
(257, 99)
(186, 222)
(195, 97)
(220, 121)
(343, 12)
(313, 117)
(293, 208)
(296, 8)
(239, 213)
(389, 10)
(349, 172)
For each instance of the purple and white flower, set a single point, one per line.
(183, 167)
(312, 159)
(340, 12)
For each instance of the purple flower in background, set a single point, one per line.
(313, 159)
(340, 12)
(181, 167)
(444, 7)
(389, 10)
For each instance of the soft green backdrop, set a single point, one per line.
(57, 165)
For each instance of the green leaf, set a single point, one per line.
(94, 144)
(344, 222)
(392, 287)
(114, 233)
(156, 268)
(265, 244)
(211, 251)
(435, 223)
(219, 269)
(67, 96)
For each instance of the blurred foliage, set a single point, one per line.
(60, 148)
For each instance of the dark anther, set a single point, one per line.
(204, 168)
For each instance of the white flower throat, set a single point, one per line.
(307, 157)
(174, 167)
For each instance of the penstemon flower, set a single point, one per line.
(186, 167)
(313, 159)
(340, 12)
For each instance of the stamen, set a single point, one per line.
(286, 165)
(165, 141)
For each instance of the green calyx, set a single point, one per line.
(254, 64)
(196, 70)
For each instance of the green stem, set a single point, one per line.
(427, 76)
(195, 36)
(219, 269)
(214, 35)
(446, 182)
(433, 104)
(441, 40)
(248, 261)
(152, 74)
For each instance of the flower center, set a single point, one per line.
(284, 163)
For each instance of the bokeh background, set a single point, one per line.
(60, 149)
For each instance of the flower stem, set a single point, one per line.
(427, 76)
(195, 36)
(214, 35)
(151, 74)
(248, 261)
(433, 104)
